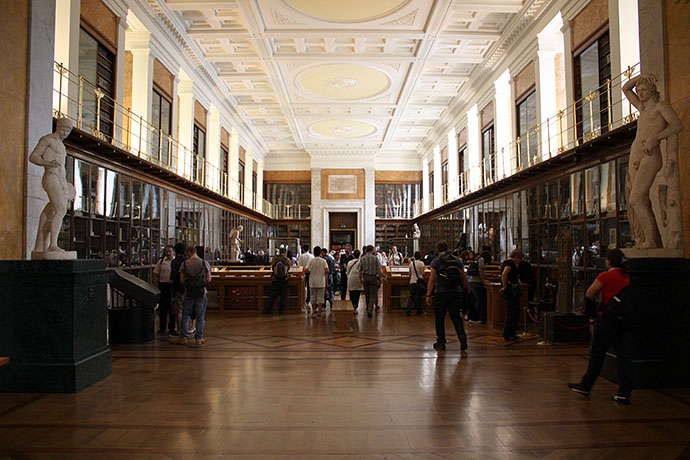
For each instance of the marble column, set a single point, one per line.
(39, 118)
(453, 171)
(185, 91)
(474, 153)
(503, 103)
(260, 183)
(567, 131)
(139, 44)
(426, 206)
(550, 45)
(248, 170)
(67, 54)
(438, 186)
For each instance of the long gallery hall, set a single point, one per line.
(344, 230)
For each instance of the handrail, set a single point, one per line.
(95, 112)
(593, 115)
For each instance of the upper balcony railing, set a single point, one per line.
(597, 113)
(95, 112)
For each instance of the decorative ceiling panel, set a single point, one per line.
(358, 76)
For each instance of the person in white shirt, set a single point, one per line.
(318, 281)
(417, 284)
(302, 261)
(354, 285)
(162, 280)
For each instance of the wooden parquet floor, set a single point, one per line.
(282, 387)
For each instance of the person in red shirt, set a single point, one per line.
(608, 333)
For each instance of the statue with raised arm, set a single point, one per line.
(235, 243)
(657, 121)
(51, 154)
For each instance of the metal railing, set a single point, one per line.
(95, 112)
(598, 112)
(290, 211)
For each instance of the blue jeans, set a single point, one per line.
(448, 302)
(196, 306)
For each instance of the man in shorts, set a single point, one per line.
(318, 281)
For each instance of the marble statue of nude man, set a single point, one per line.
(657, 121)
(235, 243)
(51, 154)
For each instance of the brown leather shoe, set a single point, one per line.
(199, 341)
(179, 340)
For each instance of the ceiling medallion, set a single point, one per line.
(342, 82)
(342, 129)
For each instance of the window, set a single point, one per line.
(97, 66)
(592, 68)
(199, 154)
(526, 111)
(431, 189)
(241, 180)
(488, 157)
(162, 122)
(224, 160)
(462, 183)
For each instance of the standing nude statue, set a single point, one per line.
(235, 243)
(51, 154)
(657, 121)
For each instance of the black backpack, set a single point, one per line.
(175, 272)
(281, 269)
(449, 271)
(195, 283)
(619, 308)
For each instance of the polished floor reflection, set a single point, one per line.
(282, 387)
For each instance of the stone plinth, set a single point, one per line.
(53, 325)
(661, 345)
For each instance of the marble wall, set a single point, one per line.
(677, 18)
(14, 51)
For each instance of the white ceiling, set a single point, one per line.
(375, 83)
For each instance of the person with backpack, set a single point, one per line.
(611, 327)
(511, 292)
(195, 274)
(280, 268)
(370, 275)
(444, 291)
(177, 286)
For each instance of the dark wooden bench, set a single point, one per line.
(342, 314)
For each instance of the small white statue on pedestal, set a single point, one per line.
(657, 121)
(416, 234)
(235, 243)
(51, 154)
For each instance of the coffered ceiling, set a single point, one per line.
(344, 76)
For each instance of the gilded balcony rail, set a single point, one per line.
(598, 112)
(97, 113)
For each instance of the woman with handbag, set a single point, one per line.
(417, 284)
(511, 292)
(608, 329)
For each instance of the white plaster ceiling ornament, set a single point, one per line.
(343, 82)
(342, 129)
(282, 19)
(406, 20)
(346, 12)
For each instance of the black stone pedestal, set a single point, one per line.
(53, 325)
(661, 344)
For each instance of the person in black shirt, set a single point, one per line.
(511, 292)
